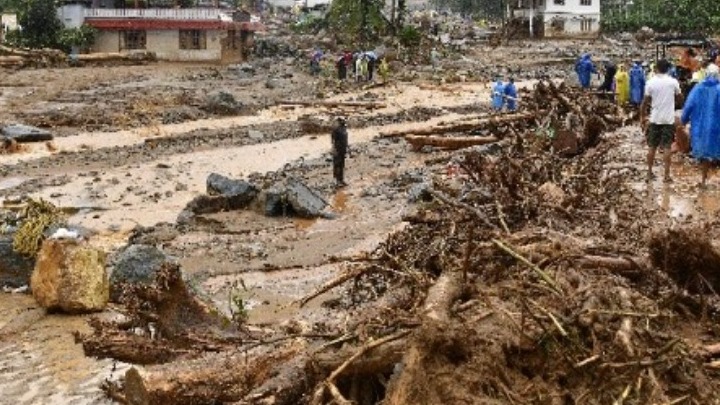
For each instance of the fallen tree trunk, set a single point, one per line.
(436, 314)
(218, 377)
(452, 143)
(321, 103)
(463, 127)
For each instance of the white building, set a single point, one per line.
(559, 18)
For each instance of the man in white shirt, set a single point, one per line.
(662, 92)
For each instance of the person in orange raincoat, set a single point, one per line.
(622, 86)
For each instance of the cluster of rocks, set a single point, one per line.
(289, 198)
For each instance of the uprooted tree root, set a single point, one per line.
(528, 283)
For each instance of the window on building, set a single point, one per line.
(559, 2)
(193, 39)
(586, 25)
(134, 40)
(586, 2)
(557, 25)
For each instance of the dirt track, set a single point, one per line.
(123, 181)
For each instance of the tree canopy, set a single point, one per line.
(701, 16)
(40, 24)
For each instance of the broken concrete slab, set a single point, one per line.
(25, 133)
(239, 193)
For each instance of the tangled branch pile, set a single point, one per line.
(522, 279)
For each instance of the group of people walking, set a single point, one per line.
(360, 66)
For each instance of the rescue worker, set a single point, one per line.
(315, 62)
(511, 95)
(584, 68)
(339, 139)
(498, 95)
(622, 86)
(700, 112)
(364, 67)
(637, 84)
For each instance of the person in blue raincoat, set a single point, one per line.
(584, 68)
(700, 111)
(637, 84)
(511, 95)
(498, 95)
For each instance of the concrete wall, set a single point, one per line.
(71, 15)
(166, 45)
(107, 41)
(573, 25)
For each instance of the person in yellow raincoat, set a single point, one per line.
(384, 70)
(622, 85)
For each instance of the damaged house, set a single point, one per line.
(559, 18)
(172, 34)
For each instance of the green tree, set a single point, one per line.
(688, 16)
(357, 19)
(40, 24)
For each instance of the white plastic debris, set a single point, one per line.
(64, 233)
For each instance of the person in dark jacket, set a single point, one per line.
(339, 150)
(341, 68)
(610, 72)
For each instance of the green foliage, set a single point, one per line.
(688, 16)
(409, 36)
(40, 25)
(357, 20)
(237, 298)
(82, 37)
(11, 5)
(489, 9)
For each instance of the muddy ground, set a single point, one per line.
(135, 144)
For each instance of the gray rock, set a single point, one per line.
(222, 102)
(271, 84)
(239, 193)
(419, 192)
(256, 135)
(136, 264)
(25, 133)
(304, 201)
(154, 235)
(15, 269)
(206, 204)
(275, 203)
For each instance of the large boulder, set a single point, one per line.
(25, 133)
(15, 269)
(304, 201)
(239, 193)
(70, 276)
(135, 264)
(222, 103)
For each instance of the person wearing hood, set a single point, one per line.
(498, 95)
(637, 84)
(510, 93)
(610, 72)
(701, 112)
(622, 86)
(584, 68)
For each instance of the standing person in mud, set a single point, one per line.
(622, 86)
(662, 94)
(341, 68)
(498, 95)
(510, 95)
(584, 68)
(610, 72)
(700, 112)
(339, 139)
(637, 83)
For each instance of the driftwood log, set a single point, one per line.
(464, 126)
(448, 142)
(322, 103)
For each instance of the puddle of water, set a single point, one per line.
(340, 200)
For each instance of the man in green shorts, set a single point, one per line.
(662, 92)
